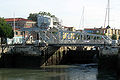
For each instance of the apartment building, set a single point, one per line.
(19, 23)
(116, 32)
(104, 31)
(69, 28)
(69, 35)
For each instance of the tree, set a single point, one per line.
(33, 16)
(114, 37)
(5, 31)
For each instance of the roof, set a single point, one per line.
(16, 28)
(17, 19)
(89, 29)
(79, 30)
(68, 27)
(95, 29)
(101, 28)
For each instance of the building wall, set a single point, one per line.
(89, 31)
(47, 22)
(108, 32)
(69, 29)
(69, 35)
(44, 22)
(20, 23)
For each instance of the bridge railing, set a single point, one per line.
(70, 37)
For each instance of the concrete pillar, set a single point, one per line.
(56, 58)
(52, 60)
(59, 56)
(85, 48)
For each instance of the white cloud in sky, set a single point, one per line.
(70, 11)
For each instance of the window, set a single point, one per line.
(21, 33)
(32, 25)
(112, 31)
(16, 33)
(108, 31)
(115, 32)
(97, 31)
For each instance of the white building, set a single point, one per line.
(47, 22)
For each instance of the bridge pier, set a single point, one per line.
(51, 55)
(44, 56)
(118, 64)
(108, 57)
(56, 57)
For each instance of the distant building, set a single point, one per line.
(69, 35)
(90, 30)
(19, 23)
(110, 32)
(69, 28)
(100, 31)
(79, 30)
(104, 31)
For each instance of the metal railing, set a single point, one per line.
(70, 37)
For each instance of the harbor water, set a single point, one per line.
(59, 72)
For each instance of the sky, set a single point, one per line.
(69, 11)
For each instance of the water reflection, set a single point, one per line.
(59, 72)
(106, 75)
(83, 72)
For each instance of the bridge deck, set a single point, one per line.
(85, 44)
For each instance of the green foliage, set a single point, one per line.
(114, 37)
(5, 29)
(46, 13)
(100, 33)
(33, 16)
